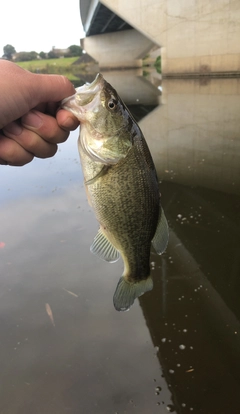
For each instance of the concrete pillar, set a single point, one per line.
(147, 16)
(118, 49)
(197, 37)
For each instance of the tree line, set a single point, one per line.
(9, 52)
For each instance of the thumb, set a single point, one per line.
(22, 91)
(50, 88)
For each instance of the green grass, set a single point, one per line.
(61, 66)
(34, 65)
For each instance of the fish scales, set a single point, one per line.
(126, 202)
(121, 185)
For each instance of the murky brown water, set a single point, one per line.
(178, 348)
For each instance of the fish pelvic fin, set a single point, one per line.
(161, 236)
(126, 292)
(103, 248)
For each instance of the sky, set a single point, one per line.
(38, 25)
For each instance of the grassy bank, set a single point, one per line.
(61, 66)
(34, 65)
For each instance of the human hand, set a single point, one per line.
(30, 123)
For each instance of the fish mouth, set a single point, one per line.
(85, 97)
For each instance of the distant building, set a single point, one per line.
(60, 52)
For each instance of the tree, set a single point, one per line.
(75, 50)
(33, 55)
(8, 51)
(52, 54)
(26, 56)
(43, 55)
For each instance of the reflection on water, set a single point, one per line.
(177, 349)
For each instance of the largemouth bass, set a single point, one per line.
(121, 185)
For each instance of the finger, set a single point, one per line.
(66, 120)
(12, 153)
(49, 108)
(45, 126)
(2, 162)
(50, 88)
(30, 90)
(30, 141)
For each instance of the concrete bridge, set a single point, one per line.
(193, 37)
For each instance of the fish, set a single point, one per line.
(121, 185)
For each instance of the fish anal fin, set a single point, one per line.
(103, 248)
(126, 292)
(160, 239)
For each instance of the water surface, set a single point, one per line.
(178, 348)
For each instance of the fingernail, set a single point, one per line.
(13, 128)
(70, 123)
(32, 120)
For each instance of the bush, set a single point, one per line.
(26, 56)
(157, 64)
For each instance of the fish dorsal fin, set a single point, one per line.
(160, 239)
(126, 292)
(103, 248)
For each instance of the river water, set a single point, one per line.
(178, 348)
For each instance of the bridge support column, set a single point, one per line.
(123, 49)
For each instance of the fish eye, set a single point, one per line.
(112, 104)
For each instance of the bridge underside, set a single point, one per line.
(105, 21)
(196, 38)
(110, 40)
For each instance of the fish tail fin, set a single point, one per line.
(126, 292)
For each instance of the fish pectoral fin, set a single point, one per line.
(160, 239)
(100, 174)
(126, 292)
(103, 248)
